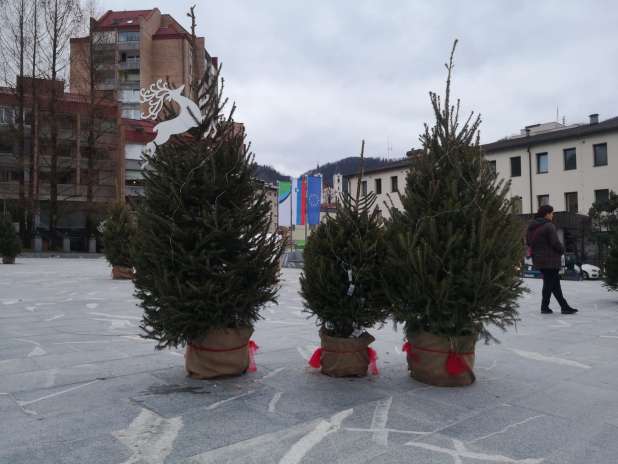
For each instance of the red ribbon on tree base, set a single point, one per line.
(455, 363)
(373, 358)
(315, 360)
(252, 349)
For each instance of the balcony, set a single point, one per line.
(106, 85)
(129, 45)
(134, 190)
(129, 64)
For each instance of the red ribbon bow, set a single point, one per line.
(455, 363)
(252, 346)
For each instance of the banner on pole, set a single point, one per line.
(314, 199)
(301, 201)
(285, 203)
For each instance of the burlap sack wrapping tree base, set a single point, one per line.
(122, 273)
(222, 352)
(345, 357)
(441, 361)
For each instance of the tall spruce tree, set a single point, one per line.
(343, 259)
(204, 258)
(453, 250)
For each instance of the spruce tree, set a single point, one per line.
(454, 248)
(203, 256)
(343, 259)
(10, 244)
(118, 232)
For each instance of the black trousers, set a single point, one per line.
(551, 284)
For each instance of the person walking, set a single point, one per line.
(547, 251)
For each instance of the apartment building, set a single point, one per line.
(85, 179)
(570, 167)
(131, 51)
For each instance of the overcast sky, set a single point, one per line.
(311, 79)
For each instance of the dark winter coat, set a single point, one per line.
(545, 245)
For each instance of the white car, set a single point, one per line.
(588, 271)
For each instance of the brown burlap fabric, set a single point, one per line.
(441, 361)
(121, 272)
(222, 352)
(345, 357)
(8, 260)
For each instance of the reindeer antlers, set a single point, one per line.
(155, 97)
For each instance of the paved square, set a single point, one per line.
(78, 385)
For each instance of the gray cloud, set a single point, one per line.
(311, 79)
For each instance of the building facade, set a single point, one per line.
(131, 50)
(87, 178)
(570, 167)
(387, 182)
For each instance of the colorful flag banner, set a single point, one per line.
(301, 200)
(314, 199)
(294, 192)
(285, 203)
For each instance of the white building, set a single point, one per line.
(386, 181)
(569, 167)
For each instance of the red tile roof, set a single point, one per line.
(123, 18)
(169, 33)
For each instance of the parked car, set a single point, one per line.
(588, 271)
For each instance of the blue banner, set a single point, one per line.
(314, 199)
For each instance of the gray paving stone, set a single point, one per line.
(548, 391)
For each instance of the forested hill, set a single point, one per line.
(347, 165)
(269, 174)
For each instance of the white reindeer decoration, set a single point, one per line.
(188, 117)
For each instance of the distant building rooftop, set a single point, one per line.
(113, 19)
(552, 132)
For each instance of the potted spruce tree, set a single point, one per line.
(205, 262)
(118, 231)
(452, 250)
(10, 245)
(341, 288)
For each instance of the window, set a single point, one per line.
(542, 163)
(7, 115)
(6, 146)
(128, 36)
(492, 166)
(394, 187)
(570, 202)
(515, 166)
(131, 114)
(8, 175)
(378, 186)
(364, 187)
(542, 200)
(129, 96)
(516, 205)
(600, 154)
(570, 159)
(601, 196)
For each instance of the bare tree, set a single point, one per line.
(33, 186)
(61, 19)
(14, 45)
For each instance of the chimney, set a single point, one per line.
(594, 118)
